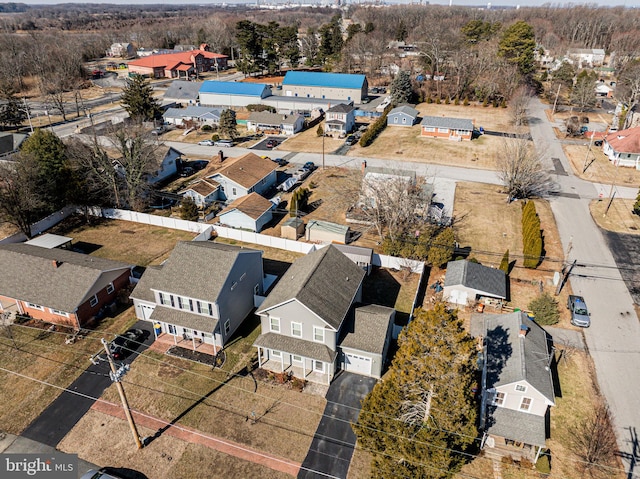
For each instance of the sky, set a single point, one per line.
(523, 3)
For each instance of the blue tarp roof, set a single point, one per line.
(234, 88)
(333, 80)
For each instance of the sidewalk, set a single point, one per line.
(196, 437)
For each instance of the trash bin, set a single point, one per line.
(157, 329)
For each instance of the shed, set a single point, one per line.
(292, 229)
(326, 232)
(363, 257)
(51, 241)
(466, 281)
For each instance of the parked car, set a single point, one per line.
(351, 140)
(579, 313)
(187, 171)
(309, 165)
(598, 142)
(223, 143)
(301, 174)
(126, 342)
(271, 143)
(280, 161)
(206, 143)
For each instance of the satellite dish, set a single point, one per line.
(556, 278)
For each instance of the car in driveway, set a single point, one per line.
(271, 143)
(280, 161)
(351, 140)
(309, 165)
(126, 343)
(223, 143)
(206, 143)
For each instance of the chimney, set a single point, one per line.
(55, 263)
(221, 156)
(524, 329)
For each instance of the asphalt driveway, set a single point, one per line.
(333, 443)
(67, 409)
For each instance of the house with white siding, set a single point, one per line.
(251, 212)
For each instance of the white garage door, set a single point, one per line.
(458, 297)
(357, 364)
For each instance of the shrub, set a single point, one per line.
(447, 101)
(636, 206)
(189, 209)
(215, 137)
(429, 99)
(320, 131)
(206, 128)
(545, 309)
(298, 384)
(504, 264)
(543, 465)
(503, 103)
(456, 101)
(375, 129)
(485, 103)
(466, 101)
(438, 100)
(531, 235)
(495, 103)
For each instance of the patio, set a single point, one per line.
(165, 341)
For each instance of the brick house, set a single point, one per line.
(456, 129)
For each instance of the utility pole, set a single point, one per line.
(556, 100)
(584, 168)
(612, 193)
(26, 109)
(116, 376)
(565, 275)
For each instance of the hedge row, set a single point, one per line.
(375, 129)
(531, 235)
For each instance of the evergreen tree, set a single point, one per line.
(137, 98)
(320, 130)
(12, 112)
(421, 418)
(401, 89)
(504, 264)
(299, 201)
(441, 251)
(545, 309)
(228, 127)
(189, 209)
(531, 236)
(517, 45)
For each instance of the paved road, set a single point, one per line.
(67, 409)
(614, 336)
(332, 446)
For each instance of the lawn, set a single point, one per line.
(619, 218)
(601, 170)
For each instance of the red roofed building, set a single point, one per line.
(623, 147)
(179, 64)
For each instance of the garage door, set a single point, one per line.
(357, 364)
(458, 297)
(146, 311)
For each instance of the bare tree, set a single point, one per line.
(628, 87)
(583, 94)
(519, 104)
(594, 438)
(522, 171)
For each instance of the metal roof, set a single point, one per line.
(321, 79)
(49, 240)
(234, 88)
(451, 123)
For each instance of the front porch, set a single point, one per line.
(517, 451)
(300, 371)
(165, 341)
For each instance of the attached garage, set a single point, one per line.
(356, 364)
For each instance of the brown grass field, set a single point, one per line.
(601, 170)
(619, 219)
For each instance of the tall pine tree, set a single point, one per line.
(137, 98)
(421, 418)
(228, 126)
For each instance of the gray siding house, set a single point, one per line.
(466, 281)
(309, 314)
(202, 293)
(402, 116)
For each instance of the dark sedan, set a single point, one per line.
(126, 343)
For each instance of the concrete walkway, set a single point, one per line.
(194, 436)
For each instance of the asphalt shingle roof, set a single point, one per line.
(268, 118)
(516, 425)
(191, 112)
(367, 331)
(247, 170)
(28, 273)
(253, 205)
(142, 291)
(325, 281)
(492, 281)
(341, 108)
(185, 319)
(307, 349)
(204, 186)
(321, 79)
(407, 110)
(451, 123)
(625, 141)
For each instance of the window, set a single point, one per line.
(179, 302)
(37, 306)
(395, 119)
(318, 366)
(296, 359)
(227, 326)
(200, 308)
(498, 398)
(521, 388)
(296, 330)
(525, 405)
(110, 288)
(210, 309)
(59, 313)
(172, 329)
(233, 191)
(173, 304)
(276, 354)
(404, 120)
(429, 129)
(190, 305)
(93, 301)
(274, 324)
(164, 299)
(318, 334)
(443, 130)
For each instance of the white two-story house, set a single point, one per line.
(243, 175)
(311, 327)
(340, 119)
(517, 385)
(202, 293)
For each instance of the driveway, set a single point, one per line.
(67, 409)
(333, 443)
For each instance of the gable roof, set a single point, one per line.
(55, 278)
(191, 111)
(367, 328)
(322, 79)
(341, 108)
(512, 358)
(492, 281)
(173, 59)
(204, 187)
(198, 269)
(233, 88)
(451, 123)
(625, 141)
(405, 109)
(268, 118)
(516, 425)
(253, 205)
(325, 281)
(247, 170)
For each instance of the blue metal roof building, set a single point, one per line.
(330, 86)
(232, 94)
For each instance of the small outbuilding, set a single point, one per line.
(51, 241)
(466, 281)
(402, 116)
(292, 229)
(326, 232)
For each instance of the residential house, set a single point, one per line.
(603, 90)
(340, 119)
(325, 232)
(202, 293)
(586, 57)
(517, 385)
(309, 315)
(467, 281)
(203, 192)
(245, 174)
(177, 64)
(383, 187)
(402, 116)
(58, 285)
(182, 92)
(456, 129)
(623, 147)
(331, 86)
(251, 212)
(231, 94)
(122, 50)
(275, 122)
(195, 115)
(167, 167)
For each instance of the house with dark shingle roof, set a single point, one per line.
(243, 175)
(517, 387)
(340, 119)
(57, 285)
(267, 121)
(466, 281)
(456, 129)
(203, 192)
(182, 92)
(251, 212)
(310, 313)
(201, 115)
(202, 293)
(403, 115)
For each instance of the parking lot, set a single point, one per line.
(269, 143)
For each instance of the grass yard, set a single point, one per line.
(308, 141)
(132, 243)
(619, 219)
(601, 170)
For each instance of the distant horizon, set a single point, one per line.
(459, 3)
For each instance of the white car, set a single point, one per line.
(206, 143)
(224, 143)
